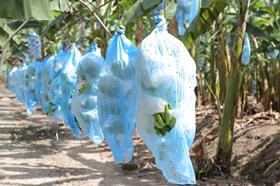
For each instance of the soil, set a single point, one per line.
(37, 151)
(256, 148)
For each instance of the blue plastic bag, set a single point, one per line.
(11, 79)
(84, 101)
(117, 96)
(27, 87)
(19, 84)
(54, 90)
(166, 76)
(68, 80)
(46, 79)
(39, 66)
(246, 52)
(34, 46)
(186, 11)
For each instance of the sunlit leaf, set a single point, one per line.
(140, 8)
(202, 23)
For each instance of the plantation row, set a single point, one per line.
(103, 98)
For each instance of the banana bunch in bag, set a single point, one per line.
(166, 76)
(46, 79)
(117, 96)
(164, 122)
(84, 100)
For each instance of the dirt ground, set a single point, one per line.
(36, 151)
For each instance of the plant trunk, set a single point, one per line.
(226, 128)
(222, 61)
(227, 123)
(138, 34)
(213, 73)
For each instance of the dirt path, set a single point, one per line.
(36, 151)
(30, 154)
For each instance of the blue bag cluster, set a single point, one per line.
(50, 84)
(22, 82)
(246, 51)
(84, 101)
(186, 11)
(117, 96)
(106, 98)
(166, 75)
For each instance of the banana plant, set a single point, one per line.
(226, 128)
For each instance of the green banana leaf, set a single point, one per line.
(144, 7)
(170, 10)
(202, 23)
(253, 30)
(3, 36)
(140, 8)
(53, 27)
(6, 31)
(31, 24)
(59, 5)
(25, 9)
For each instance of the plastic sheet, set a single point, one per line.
(21, 81)
(54, 90)
(166, 75)
(23, 85)
(34, 46)
(186, 11)
(117, 96)
(84, 101)
(38, 88)
(68, 80)
(30, 98)
(246, 52)
(46, 79)
(11, 79)
(19, 90)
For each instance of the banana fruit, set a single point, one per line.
(83, 88)
(163, 121)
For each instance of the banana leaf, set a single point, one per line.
(202, 23)
(5, 32)
(25, 9)
(140, 8)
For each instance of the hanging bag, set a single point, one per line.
(166, 76)
(84, 101)
(186, 11)
(246, 51)
(117, 96)
(46, 79)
